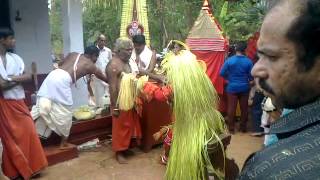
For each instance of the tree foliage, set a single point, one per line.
(103, 16)
(56, 26)
(168, 19)
(243, 19)
(171, 19)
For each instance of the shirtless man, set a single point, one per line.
(54, 99)
(125, 124)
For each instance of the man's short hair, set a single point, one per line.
(241, 47)
(92, 50)
(6, 32)
(139, 39)
(122, 43)
(100, 36)
(305, 33)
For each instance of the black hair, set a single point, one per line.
(175, 43)
(241, 47)
(171, 46)
(305, 33)
(92, 50)
(232, 50)
(139, 39)
(6, 32)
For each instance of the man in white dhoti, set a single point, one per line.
(101, 89)
(142, 60)
(54, 99)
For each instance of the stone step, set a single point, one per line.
(90, 135)
(56, 155)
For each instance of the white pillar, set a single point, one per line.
(73, 42)
(72, 26)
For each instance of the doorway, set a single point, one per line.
(5, 14)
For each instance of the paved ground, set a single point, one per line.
(101, 164)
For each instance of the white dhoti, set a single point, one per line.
(51, 116)
(52, 111)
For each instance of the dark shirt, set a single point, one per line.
(296, 155)
(237, 71)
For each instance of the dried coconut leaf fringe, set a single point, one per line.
(127, 92)
(197, 120)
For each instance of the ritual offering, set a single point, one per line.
(84, 113)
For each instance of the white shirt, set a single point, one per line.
(145, 57)
(14, 67)
(104, 57)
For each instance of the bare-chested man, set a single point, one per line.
(54, 99)
(125, 124)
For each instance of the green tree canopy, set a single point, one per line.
(168, 19)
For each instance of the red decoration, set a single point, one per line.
(252, 47)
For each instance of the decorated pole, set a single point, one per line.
(134, 19)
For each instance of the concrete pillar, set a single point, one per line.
(73, 42)
(72, 26)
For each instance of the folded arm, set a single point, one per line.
(5, 85)
(25, 77)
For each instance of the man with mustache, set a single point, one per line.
(126, 128)
(289, 72)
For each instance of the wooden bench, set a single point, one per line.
(81, 131)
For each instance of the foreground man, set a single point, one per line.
(23, 155)
(289, 72)
(125, 124)
(53, 109)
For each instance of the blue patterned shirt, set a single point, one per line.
(296, 155)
